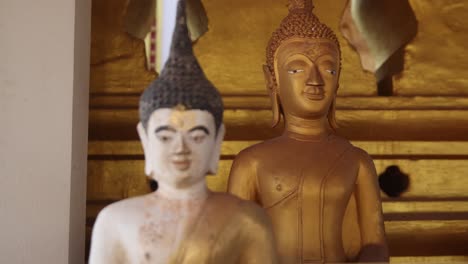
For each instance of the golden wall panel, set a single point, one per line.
(374, 148)
(430, 219)
(428, 237)
(436, 58)
(117, 59)
(429, 259)
(233, 50)
(114, 180)
(429, 179)
(425, 207)
(409, 210)
(246, 124)
(342, 103)
(447, 238)
(231, 53)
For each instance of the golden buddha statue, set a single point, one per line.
(181, 130)
(309, 179)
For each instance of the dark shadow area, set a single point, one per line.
(153, 185)
(393, 182)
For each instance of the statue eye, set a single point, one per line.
(295, 71)
(164, 138)
(198, 138)
(332, 72)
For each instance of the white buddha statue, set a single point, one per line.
(181, 131)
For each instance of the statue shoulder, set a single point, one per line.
(341, 141)
(363, 157)
(121, 210)
(229, 202)
(256, 224)
(259, 149)
(107, 245)
(253, 213)
(106, 225)
(240, 208)
(367, 170)
(253, 229)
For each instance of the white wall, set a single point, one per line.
(44, 80)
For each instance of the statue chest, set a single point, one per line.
(311, 172)
(157, 234)
(306, 190)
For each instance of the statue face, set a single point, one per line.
(307, 72)
(181, 146)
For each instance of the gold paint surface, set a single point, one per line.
(232, 148)
(425, 207)
(429, 237)
(429, 179)
(244, 124)
(115, 180)
(117, 59)
(232, 52)
(342, 103)
(435, 61)
(429, 260)
(233, 49)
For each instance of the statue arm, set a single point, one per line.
(259, 245)
(104, 243)
(369, 207)
(242, 178)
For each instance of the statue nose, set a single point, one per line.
(181, 147)
(315, 78)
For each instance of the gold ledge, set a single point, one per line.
(130, 101)
(426, 207)
(429, 260)
(95, 206)
(374, 148)
(439, 125)
(429, 179)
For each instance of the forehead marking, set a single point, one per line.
(315, 51)
(312, 49)
(176, 119)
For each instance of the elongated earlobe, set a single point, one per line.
(144, 143)
(273, 93)
(213, 169)
(332, 115)
(275, 108)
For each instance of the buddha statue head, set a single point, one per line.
(181, 117)
(303, 66)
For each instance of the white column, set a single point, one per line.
(166, 15)
(44, 89)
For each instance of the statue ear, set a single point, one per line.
(213, 169)
(144, 143)
(273, 93)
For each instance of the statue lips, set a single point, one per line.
(315, 93)
(181, 164)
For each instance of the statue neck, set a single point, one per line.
(198, 191)
(306, 129)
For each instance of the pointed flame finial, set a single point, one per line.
(306, 5)
(182, 81)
